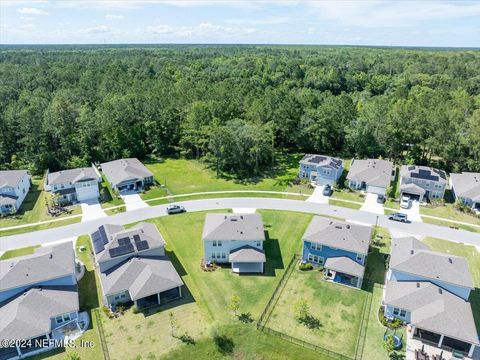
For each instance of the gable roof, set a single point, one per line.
(141, 277)
(322, 160)
(246, 227)
(345, 265)
(374, 172)
(423, 173)
(412, 189)
(46, 263)
(108, 239)
(8, 199)
(118, 171)
(72, 176)
(433, 308)
(411, 256)
(338, 234)
(11, 178)
(247, 253)
(29, 314)
(467, 185)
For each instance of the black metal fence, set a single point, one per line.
(101, 333)
(363, 326)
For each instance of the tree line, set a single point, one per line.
(236, 106)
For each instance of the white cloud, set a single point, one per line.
(101, 29)
(205, 31)
(31, 11)
(269, 20)
(114, 17)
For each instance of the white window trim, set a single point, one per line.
(320, 260)
(315, 246)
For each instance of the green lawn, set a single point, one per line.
(337, 308)
(450, 224)
(40, 227)
(344, 204)
(473, 257)
(34, 208)
(18, 252)
(448, 211)
(346, 194)
(181, 176)
(108, 197)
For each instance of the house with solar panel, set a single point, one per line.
(422, 183)
(466, 188)
(14, 187)
(236, 239)
(321, 169)
(340, 247)
(133, 266)
(74, 185)
(430, 291)
(127, 174)
(39, 300)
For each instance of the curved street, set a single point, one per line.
(69, 232)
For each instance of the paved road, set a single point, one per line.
(68, 231)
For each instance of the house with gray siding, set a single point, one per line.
(430, 291)
(74, 185)
(14, 187)
(370, 175)
(422, 183)
(321, 169)
(340, 247)
(466, 188)
(236, 239)
(133, 266)
(38, 299)
(127, 174)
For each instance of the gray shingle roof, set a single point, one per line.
(7, 200)
(434, 309)
(141, 277)
(11, 177)
(424, 173)
(374, 172)
(339, 234)
(72, 176)
(115, 233)
(411, 256)
(322, 160)
(466, 185)
(28, 314)
(247, 254)
(345, 265)
(412, 189)
(246, 227)
(46, 263)
(121, 170)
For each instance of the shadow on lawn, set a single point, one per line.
(475, 303)
(375, 270)
(224, 344)
(30, 200)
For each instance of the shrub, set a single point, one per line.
(121, 308)
(305, 266)
(107, 311)
(135, 309)
(187, 339)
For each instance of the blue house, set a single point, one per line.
(341, 248)
(321, 169)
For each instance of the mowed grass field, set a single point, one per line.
(337, 308)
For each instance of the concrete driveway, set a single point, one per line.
(371, 204)
(91, 210)
(413, 212)
(133, 200)
(317, 196)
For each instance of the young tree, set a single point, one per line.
(389, 345)
(235, 304)
(173, 323)
(301, 310)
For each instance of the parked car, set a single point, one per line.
(405, 202)
(398, 217)
(380, 199)
(327, 190)
(175, 209)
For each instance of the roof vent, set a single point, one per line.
(450, 260)
(440, 291)
(411, 252)
(418, 284)
(241, 232)
(348, 226)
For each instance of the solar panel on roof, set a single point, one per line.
(411, 168)
(136, 238)
(123, 241)
(97, 242)
(103, 235)
(142, 245)
(317, 159)
(425, 175)
(121, 250)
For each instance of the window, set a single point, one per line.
(403, 313)
(224, 255)
(62, 318)
(59, 319)
(219, 255)
(219, 243)
(359, 257)
(66, 317)
(326, 171)
(259, 243)
(315, 259)
(213, 255)
(214, 242)
(396, 311)
(315, 246)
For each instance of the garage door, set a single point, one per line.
(412, 196)
(87, 191)
(376, 190)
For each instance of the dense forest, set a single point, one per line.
(237, 106)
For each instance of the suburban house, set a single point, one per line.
(127, 174)
(422, 182)
(321, 169)
(466, 188)
(236, 239)
(14, 187)
(74, 184)
(340, 247)
(39, 299)
(133, 266)
(430, 291)
(371, 175)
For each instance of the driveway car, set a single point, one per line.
(380, 199)
(405, 202)
(327, 190)
(175, 209)
(398, 217)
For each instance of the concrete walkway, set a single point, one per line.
(244, 210)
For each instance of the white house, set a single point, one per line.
(422, 182)
(372, 175)
(127, 174)
(74, 184)
(466, 187)
(236, 239)
(14, 187)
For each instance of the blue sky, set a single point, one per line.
(397, 23)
